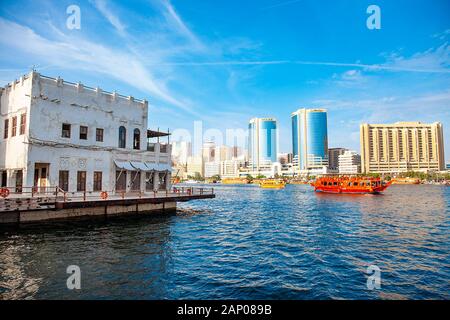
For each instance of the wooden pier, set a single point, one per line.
(51, 204)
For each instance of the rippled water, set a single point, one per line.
(248, 243)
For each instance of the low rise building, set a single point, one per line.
(57, 133)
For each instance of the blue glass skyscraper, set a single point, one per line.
(262, 142)
(309, 138)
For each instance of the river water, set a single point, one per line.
(248, 243)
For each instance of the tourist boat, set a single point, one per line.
(355, 185)
(272, 184)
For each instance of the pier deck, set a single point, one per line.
(23, 207)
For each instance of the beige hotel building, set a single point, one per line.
(401, 147)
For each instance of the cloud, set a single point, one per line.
(113, 19)
(85, 55)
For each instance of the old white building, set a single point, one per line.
(58, 133)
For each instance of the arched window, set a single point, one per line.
(122, 137)
(137, 139)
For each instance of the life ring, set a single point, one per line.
(4, 192)
(104, 195)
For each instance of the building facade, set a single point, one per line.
(231, 168)
(333, 158)
(61, 134)
(262, 143)
(309, 139)
(402, 147)
(349, 163)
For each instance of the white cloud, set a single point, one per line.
(102, 7)
(85, 55)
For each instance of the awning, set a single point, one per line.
(158, 167)
(164, 167)
(151, 166)
(124, 165)
(139, 166)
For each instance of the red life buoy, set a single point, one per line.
(104, 195)
(4, 192)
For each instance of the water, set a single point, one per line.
(248, 243)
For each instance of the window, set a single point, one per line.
(23, 122)
(65, 130)
(97, 181)
(6, 129)
(163, 148)
(14, 127)
(83, 132)
(136, 139)
(122, 137)
(64, 180)
(81, 181)
(4, 177)
(99, 135)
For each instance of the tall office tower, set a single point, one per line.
(262, 143)
(333, 158)
(349, 163)
(401, 147)
(309, 139)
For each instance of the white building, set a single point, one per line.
(349, 163)
(230, 168)
(58, 133)
(212, 169)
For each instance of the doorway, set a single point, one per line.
(41, 180)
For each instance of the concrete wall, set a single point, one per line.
(109, 211)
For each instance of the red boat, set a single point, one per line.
(350, 185)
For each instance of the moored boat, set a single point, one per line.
(355, 185)
(272, 184)
(406, 181)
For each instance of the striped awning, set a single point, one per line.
(124, 165)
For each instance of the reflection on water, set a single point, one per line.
(248, 243)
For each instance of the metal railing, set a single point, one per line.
(56, 194)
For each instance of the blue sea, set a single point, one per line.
(247, 243)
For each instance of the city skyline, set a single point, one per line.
(197, 62)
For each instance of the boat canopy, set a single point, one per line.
(124, 165)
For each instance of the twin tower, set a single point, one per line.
(309, 140)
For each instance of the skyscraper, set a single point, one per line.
(309, 139)
(262, 143)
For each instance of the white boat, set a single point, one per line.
(191, 181)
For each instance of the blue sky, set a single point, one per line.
(224, 62)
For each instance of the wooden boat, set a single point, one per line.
(272, 184)
(355, 185)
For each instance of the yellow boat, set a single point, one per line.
(272, 184)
